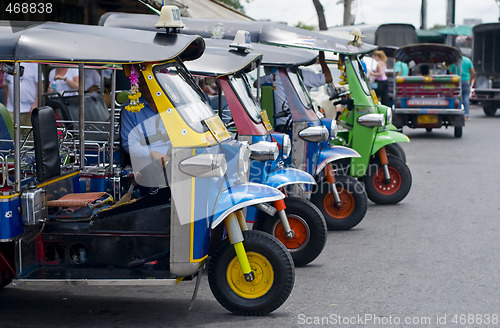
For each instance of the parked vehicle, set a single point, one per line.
(65, 234)
(343, 206)
(300, 226)
(432, 100)
(486, 87)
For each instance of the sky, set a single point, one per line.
(371, 11)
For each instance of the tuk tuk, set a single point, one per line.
(57, 228)
(429, 97)
(486, 87)
(342, 201)
(302, 229)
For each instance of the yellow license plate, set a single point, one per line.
(427, 119)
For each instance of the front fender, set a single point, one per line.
(287, 176)
(334, 153)
(388, 137)
(243, 195)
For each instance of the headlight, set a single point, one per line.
(389, 116)
(264, 151)
(204, 165)
(243, 159)
(315, 133)
(287, 146)
(372, 120)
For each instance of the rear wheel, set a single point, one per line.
(490, 110)
(381, 191)
(458, 132)
(353, 202)
(309, 227)
(272, 266)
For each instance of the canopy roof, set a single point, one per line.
(428, 53)
(457, 30)
(260, 32)
(59, 42)
(217, 61)
(486, 48)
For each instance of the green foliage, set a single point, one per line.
(236, 4)
(304, 26)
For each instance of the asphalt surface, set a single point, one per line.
(431, 261)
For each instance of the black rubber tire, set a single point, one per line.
(490, 110)
(397, 167)
(313, 221)
(428, 129)
(396, 150)
(283, 270)
(458, 132)
(5, 282)
(355, 192)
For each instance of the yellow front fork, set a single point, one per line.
(235, 223)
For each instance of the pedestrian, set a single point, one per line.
(380, 76)
(28, 93)
(467, 74)
(63, 79)
(401, 69)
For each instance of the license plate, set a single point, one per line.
(427, 119)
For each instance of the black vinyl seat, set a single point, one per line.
(46, 142)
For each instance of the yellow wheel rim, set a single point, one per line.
(264, 276)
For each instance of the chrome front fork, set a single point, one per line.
(382, 155)
(330, 178)
(280, 207)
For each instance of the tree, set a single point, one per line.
(321, 15)
(236, 4)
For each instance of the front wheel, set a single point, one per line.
(396, 150)
(272, 266)
(309, 227)
(353, 202)
(381, 191)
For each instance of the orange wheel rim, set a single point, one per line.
(343, 211)
(302, 233)
(382, 186)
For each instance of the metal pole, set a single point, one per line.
(450, 13)
(17, 127)
(81, 113)
(423, 15)
(40, 86)
(112, 121)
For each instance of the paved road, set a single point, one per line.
(427, 259)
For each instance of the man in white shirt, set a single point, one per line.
(28, 92)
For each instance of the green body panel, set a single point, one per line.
(267, 101)
(385, 138)
(4, 113)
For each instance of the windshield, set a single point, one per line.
(242, 88)
(300, 89)
(182, 92)
(360, 74)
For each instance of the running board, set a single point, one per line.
(95, 282)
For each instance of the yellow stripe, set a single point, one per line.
(9, 196)
(58, 179)
(176, 125)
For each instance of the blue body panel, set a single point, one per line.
(334, 153)
(282, 177)
(243, 195)
(10, 218)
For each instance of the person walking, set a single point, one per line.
(380, 76)
(467, 74)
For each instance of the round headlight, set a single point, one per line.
(243, 159)
(389, 115)
(287, 146)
